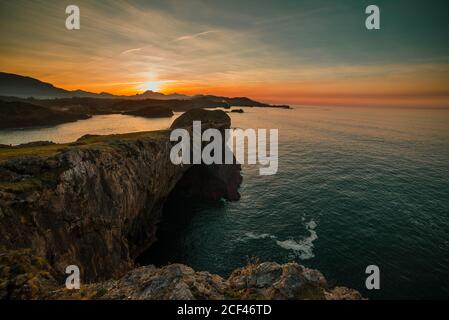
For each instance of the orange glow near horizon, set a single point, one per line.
(329, 94)
(126, 48)
(389, 85)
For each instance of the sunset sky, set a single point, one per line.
(315, 52)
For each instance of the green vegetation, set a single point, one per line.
(89, 140)
(49, 177)
(20, 186)
(101, 292)
(94, 139)
(15, 152)
(38, 181)
(311, 292)
(24, 275)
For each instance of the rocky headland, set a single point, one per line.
(151, 112)
(18, 114)
(96, 203)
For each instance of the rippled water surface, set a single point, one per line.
(355, 187)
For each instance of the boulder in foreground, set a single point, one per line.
(256, 281)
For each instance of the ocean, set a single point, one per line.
(355, 187)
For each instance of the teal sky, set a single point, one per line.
(329, 31)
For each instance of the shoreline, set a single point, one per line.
(95, 203)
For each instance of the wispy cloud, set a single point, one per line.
(131, 51)
(196, 35)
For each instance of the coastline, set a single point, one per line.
(96, 203)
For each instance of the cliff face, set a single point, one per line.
(96, 203)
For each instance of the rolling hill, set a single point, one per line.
(24, 87)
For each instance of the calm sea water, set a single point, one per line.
(69, 132)
(355, 187)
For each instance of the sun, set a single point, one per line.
(151, 85)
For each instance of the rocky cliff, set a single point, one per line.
(96, 203)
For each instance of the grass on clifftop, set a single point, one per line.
(13, 152)
(93, 139)
(47, 177)
(185, 120)
(85, 141)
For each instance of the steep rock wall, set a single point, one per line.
(96, 203)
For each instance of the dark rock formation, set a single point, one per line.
(21, 114)
(261, 281)
(206, 181)
(35, 144)
(26, 276)
(95, 203)
(151, 112)
(216, 118)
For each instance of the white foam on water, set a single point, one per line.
(303, 249)
(259, 236)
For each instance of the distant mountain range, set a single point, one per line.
(28, 102)
(14, 85)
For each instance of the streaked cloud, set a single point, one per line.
(196, 35)
(131, 51)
